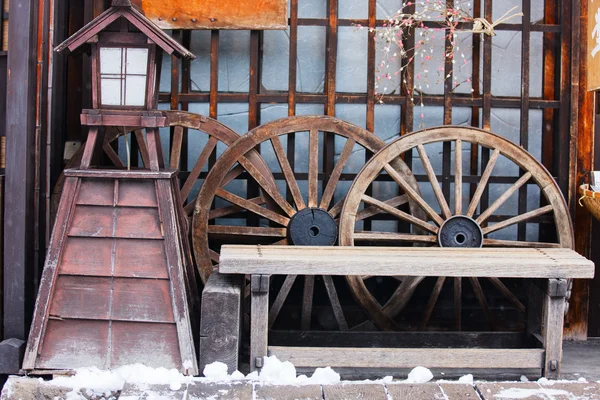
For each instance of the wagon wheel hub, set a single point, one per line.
(460, 231)
(312, 227)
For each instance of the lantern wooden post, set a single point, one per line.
(114, 290)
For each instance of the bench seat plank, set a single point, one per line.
(345, 357)
(409, 261)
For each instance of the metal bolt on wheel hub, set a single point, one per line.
(460, 231)
(312, 227)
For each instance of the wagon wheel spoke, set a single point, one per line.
(370, 211)
(267, 187)
(313, 167)
(280, 299)
(384, 237)
(483, 183)
(402, 295)
(437, 190)
(517, 219)
(432, 301)
(336, 173)
(503, 197)
(458, 178)
(307, 300)
(336, 209)
(176, 147)
(457, 303)
(197, 169)
(252, 207)
(335, 303)
(507, 293)
(482, 302)
(246, 231)
(400, 214)
(413, 194)
(517, 243)
(288, 173)
(229, 210)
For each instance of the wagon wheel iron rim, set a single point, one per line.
(294, 219)
(455, 225)
(180, 121)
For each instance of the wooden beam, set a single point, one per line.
(342, 357)
(20, 123)
(405, 261)
(576, 326)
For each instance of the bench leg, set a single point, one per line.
(552, 329)
(259, 320)
(220, 324)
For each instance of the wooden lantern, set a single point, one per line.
(115, 287)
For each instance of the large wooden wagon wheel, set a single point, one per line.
(300, 221)
(458, 225)
(196, 126)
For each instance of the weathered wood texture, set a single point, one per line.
(214, 14)
(117, 240)
(220, 324)
(578, 314)
(259, 321)
(399, 391)
(535, 263)
(354, 391)
(274, 392)
(408, 358)
(20, 170)
(235, 391)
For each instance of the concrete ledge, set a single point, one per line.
(11, 356)
(18, 387)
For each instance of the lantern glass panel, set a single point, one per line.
(123, 73)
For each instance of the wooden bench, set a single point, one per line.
(549, 271)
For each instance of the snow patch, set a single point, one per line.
(216, 371)
(524, 378)
(419, 375)
(519, 393)
(466, 379)
(325, 376)
(275, 371)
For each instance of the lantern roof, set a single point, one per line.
(124, 9)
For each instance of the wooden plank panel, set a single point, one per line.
(276, 392)
(92, 221)
(140, 223)
(408, 358)
(384, 261)
(354, 391)
(220, 332)
(422, 391)
(137, 193)
(576, 390)
(458, 391)
(510, 390)
(86, 256)
(73, 297)
(216, 14)
(488, 340)
(142, 300)
(140, 258)
(151, 344)
(225, 391)
(97, 192)
(73, 344)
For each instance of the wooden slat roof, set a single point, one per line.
(124, 8)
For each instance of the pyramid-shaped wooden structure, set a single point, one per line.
(118, 282)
